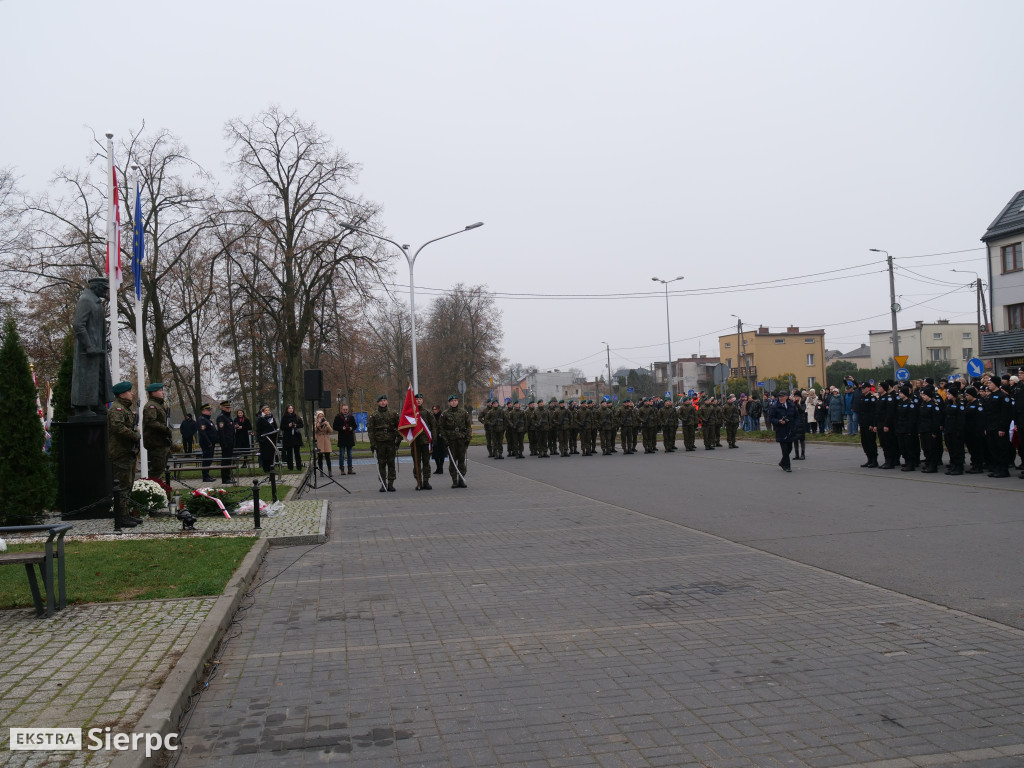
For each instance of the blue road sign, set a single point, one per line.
(760, 384)
(668, 394)
(953, 376)
(902, 374)
(629, 389)
(975, 367)
(362, 420)
(691, 393)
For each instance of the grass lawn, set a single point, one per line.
(108, 571)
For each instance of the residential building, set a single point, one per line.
(763, 354)
(861, 356)
(928, 342)
(1004, 346)
(696, 372)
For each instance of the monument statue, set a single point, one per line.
(90, 378)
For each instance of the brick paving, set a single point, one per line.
(516, 624)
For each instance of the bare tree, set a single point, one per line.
(462, 340)
(290, 204)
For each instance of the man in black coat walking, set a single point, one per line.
(782, 417)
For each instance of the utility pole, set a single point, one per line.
(893, 309)
(609, 351)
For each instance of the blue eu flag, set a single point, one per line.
(138, 244)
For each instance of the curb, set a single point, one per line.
(313, 538)
(163, 713)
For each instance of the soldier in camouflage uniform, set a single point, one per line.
(627, 421)
(707, 422)
(531, 426)
(648, 424)
(123, 447)
(688, 421)
(669, 426)
(541, 424)
(456, 428)
(382, 429)
(553, 427)
(484, 417)
(560, 422)
(583, 416)
(719, 421)
(515, 426)
(156, 435)
(498, 428)
(574, 426)
(606, 424)
(422, 442)
(731, 417)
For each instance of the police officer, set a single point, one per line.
(998, 415)
(123, 446)
(226, 435)
(455, 426)
(867, 425)
(953, 427)
(207, 439)
(382, 429)
(929, 427)
(156, 435)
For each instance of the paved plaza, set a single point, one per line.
(517, 623)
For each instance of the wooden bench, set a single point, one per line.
(181, 464)
(45, 560)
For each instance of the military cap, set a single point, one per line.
(121, 387)
(155, 386)
(515, 402)
(452, 397)
(553, 400)
(532, 401)
(864, 384)
(418, 396)
(205, 407)
(99, 281)
(561, 402)
(382, 397)
(225, 403)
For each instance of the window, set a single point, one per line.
(936, 354)
(728, 345)
(780, 341)
(809, 341)
(1015, 317)
(1012, 261)
(937, 336)
(968, 353)
(810, 359)
(968, 335)
(810, 381)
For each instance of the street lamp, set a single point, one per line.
(668, 328)
(412, 283)
(893, 308)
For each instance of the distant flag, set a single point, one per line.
(409, 423)
(114, 215)
(138, 243)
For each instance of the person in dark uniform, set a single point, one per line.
(783, 417)
(868, 411)
(799, 426)
(929, 427)
(906, 428)
(422, 442)
(953, 428)
(207, 439)
(123, 446)
(998, 415)
(454, 425)
(439, 451)
(885, 424)
(156, 435)
(382, 430)
(226, 435)
(188, 430)
(974, 430)
(266, 438)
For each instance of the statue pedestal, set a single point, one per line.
(84, 469)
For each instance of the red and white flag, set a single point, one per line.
(114, 236)
(409, 422)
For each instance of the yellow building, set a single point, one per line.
(761, 354)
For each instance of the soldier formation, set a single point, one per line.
(560, 428)
(914, 423)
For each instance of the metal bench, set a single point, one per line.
(45, 561)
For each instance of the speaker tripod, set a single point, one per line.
(312, 472)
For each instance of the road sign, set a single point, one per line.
(461, 386)
(668, 395)
(953, 376)
(902, 374)
(975, 367)
(760, 384)
(771, 385)
(901, 360)
(722, 372)
(691, 393)
(630, 390)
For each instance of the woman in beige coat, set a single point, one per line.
(322, 431)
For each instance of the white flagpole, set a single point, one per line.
(115, 347)
(140, 365)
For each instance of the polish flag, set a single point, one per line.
(409, 422)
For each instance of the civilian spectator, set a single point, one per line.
(291, 437)
(188, 431)
(345, 426)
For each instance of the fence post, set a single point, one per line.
(117, 505)
(256, 503)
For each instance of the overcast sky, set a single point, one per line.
(601, 143)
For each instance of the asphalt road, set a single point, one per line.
(953, 541)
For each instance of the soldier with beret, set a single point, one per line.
(531, 425)
(688, 420)
(731, 417)
(382, 429)
(541, 424)
(627, 423)
(156, 435)
(226, 435)
(207, 439)
(552, 427)
(422, 443)
(123, 445)
(515, 427)
(456, 428)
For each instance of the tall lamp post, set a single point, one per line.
(893, 308)
(668, 328)
(412, 282)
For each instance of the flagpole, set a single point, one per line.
(140, 365)
(112, 257)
